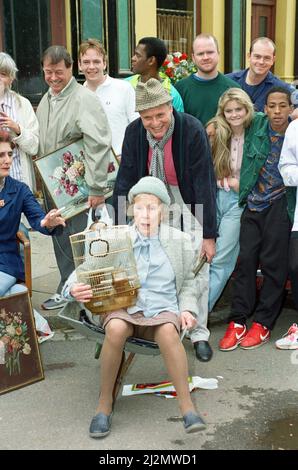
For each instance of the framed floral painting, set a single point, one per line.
(63, 174)
(20, 362)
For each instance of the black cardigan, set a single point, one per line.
(192, 161)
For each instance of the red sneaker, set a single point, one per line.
(232, 337)
(256, 336)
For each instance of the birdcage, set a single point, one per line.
(104, 259)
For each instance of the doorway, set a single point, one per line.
(263, 19)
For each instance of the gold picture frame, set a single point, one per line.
(20, 361)
(63, 175)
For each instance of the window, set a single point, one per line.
(111, 22)
(26, 34)
(175, 24)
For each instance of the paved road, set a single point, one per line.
(254, 407)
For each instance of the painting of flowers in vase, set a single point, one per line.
(20, 362)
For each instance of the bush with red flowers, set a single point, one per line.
(177, 66)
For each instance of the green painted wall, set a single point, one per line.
(237, 25)
(123, 34)
(91, 19)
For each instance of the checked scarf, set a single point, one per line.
(157, 163)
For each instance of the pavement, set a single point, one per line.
(254, 407)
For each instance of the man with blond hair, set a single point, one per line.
(201, 91)
(117, 97)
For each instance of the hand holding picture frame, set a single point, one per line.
(20, 362)
(63, 175)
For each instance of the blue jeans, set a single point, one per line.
(227, 243)
(8, 285)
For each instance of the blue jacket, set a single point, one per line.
(260, 91)
(17, 199)
(192, 161)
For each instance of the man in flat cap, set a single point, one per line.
(173, 147)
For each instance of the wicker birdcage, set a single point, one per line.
(104, 259)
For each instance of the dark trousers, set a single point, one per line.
(264, 240)
(293, 266)
(62, 246)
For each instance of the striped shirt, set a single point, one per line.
(8, 107)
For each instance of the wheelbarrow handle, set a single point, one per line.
(200, 264)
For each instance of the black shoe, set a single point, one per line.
(193, 422)
(100, 425)
(203, 351)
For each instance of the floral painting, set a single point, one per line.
(13, 340)
(70, 175)
(20, 362)
(63, 174)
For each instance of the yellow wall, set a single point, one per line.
(285, 39)
(145, 15)
(248, 29)
(68, 25)
(212, 15)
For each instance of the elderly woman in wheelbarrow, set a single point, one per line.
(165, 303)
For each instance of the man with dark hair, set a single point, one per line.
(265, 227)
(149, 56)
(68, 112)
(201, 91)
(174, 147)
(257, 80)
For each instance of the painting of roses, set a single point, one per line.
(63, 175)
(20, 362)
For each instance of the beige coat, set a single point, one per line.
(178, 247)
(77, 113)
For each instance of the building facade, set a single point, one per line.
(27, 27)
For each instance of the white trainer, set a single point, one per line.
(289, 340)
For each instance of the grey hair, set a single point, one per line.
(55, 54)
(8, 65)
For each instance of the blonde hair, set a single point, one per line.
(221, 144)
(92, 43)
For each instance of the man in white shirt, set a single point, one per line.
(116, 96)
(288, 167)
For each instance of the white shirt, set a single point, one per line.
(118, 100)
(288, 163)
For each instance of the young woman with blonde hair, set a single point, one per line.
(226, 133)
